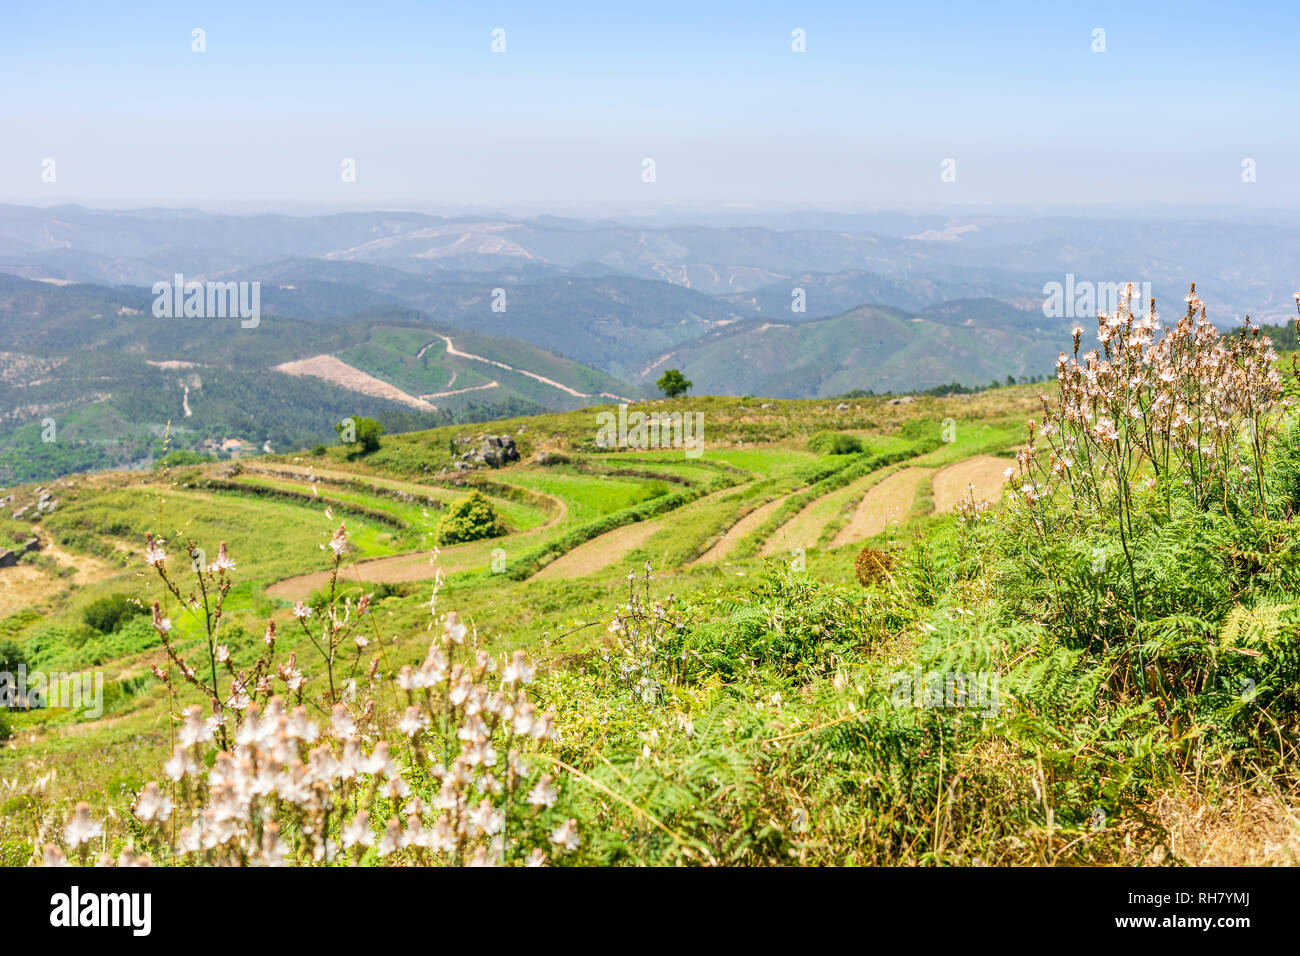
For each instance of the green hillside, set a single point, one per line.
(871, 348)
(90, 379)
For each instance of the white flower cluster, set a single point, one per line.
(1191, 409)
(287, 774)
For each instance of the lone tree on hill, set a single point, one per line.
(673, 383)
(363, 433)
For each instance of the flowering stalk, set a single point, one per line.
(1156, 415)
(288, 791)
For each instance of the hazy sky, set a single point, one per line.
(712, 92)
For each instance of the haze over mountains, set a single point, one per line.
(419, 319)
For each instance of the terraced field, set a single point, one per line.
(576, 520)
(889, 502)
(590, 508)
(981, 476)
(739, 531)
(600, 552)
(824, 517)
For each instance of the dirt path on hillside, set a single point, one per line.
(614, 546)
(457, 353)
(891, 500)
(25, 585)
(418, 566)
(600, 552)
(982, 471)
(727, 543)
(311, 475)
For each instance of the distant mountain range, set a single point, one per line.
(419, 319)
(1241, 265)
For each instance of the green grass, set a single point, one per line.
(587, 496)
(973, 438)
(775, 740)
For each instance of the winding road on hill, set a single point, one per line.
(461, 391)
(457, 353)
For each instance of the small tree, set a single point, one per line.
(673, 383)
(362, 432)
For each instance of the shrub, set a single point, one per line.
(835, 443)
(788, 626)
(1144, 424)
(873, 566)
(470, 519)
(343, 803)
(11, 657)
(109, 613)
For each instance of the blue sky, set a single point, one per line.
(712, 92)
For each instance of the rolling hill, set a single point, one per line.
(89, 378)
(869, 348)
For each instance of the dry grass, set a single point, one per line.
(750, 522)
(1246, 827)
(600, 552)
(26, 585)
(984, 472)
(889, 501)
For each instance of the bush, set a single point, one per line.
(109, 613)
(11, 657)
(471, 519)
(784, 624)
(6, 730)
(836, 443)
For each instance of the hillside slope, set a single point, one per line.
(870, 348)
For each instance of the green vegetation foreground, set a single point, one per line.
(1106, 672)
